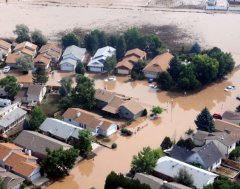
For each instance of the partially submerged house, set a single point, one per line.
(167, 168)
(87, 120)
(34, 94)
(157, 65)
(5, 47)
(96, 64)
(14, 160)
(12, 118)
(71, 57)
(126, 65)
(38, 143)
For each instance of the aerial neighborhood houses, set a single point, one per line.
(71, 57)
(96, 64)
(125, 66)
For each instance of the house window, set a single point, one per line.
(69, 120)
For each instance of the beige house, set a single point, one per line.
(5, 47)
(35, 94)
(159, 64)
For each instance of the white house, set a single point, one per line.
(90, 121)
(35, 93)
(224, 142)
(167, 168)
(71, 56)
(96, 64)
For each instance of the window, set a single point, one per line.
(69, 120)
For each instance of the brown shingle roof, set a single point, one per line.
(4, 46)
(42, 58)
(11, 58)
(21, 163)
(124, 64)
(159, 64)
(138, 52)
(51, 49)
(25, 45)
(6, 148)
(133, 106)
(104, 95)
(113, 105)
(34, 89)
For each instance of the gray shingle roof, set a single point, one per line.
(38, 142)
(9, 179)
(180, 153)
(59, 128)
(75, 51)
(222, 137)
(210, 154)
(200, 135)
(231, 115)
(34, 89)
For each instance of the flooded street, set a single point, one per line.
(179, 116)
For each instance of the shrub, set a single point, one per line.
(126, 132)
(114, 145)
(144, 112)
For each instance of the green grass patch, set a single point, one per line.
(50, 104)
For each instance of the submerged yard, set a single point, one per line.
(50, 104)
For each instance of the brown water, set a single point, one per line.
(178, 117)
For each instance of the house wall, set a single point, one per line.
(100, 104)
(123, 71)
(35, 174)
(95, 69)
(67, 67)
(112, 129)
(123, 112)
(225, 150)
(37, 98)
(150, 75)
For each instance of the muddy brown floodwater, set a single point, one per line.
(179, 116)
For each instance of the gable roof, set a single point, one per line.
(180, 153)
(25, 45)
(132, 106)
(77, 52)
(68, 61)
(153, 182)
(209, 154)
(104, 52)
(9, 179)
(11, 58)
(170, 167)
(51, 50)
(104, 95)
(38, 142)
(200, 135)
(22, 163)
(232, 129)
(136, 51)
(6, 148)
(113, 105)
(222, 137)
(159, 64)
(42, 58)
(35, 89)
(125, 64)
(231, 115)
(59, 128)
(4, 46)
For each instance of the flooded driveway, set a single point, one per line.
(179, 116)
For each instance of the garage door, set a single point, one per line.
(95, 69)
(122, 71)
(148, 75)
(67, 67)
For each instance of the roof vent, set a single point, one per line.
(78, 114)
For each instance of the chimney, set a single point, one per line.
(29, 152)
(78, 114)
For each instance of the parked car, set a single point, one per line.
(217, 116)
(230, 88)
(150, 80)
(6, 69)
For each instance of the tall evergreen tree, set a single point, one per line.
(174, 68)
(166, 143)
(37, 117)
(204, 121)
(121, 47)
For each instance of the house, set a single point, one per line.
(125, 66)
(157, 183)
(224, 142)
(12, 118)
(230, 128)
(14, 160)
(230, 116)
(208, 156)
(96, 64)
(167, 168)
(87, 120)
(159, 64)
(35, 93)
(60, 130)
(37, 143)
(26, 48)
(42, 61)
(131, 109)
(199, 138)
(71, 56)
(103, 97)
(5, 47)
(113, 106)
(180, 153)
(12, 58)
(10, 180)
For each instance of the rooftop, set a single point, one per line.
(34, 89)
(77, 52)
(9, 179)
(133, 106)
(104, 95)
(137, 52)
(231, 115)
(180, 153)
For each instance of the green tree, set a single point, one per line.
(66, 102)
(196, 49)
(206, 68)
(134, 39)
(91, 43)
(40, 76)
(80, 68)
(58, 162)
(114, 181)
(70, 39)
(226, 62)
(83, 94)
(188, 143)
(10, 85)
(85, 142)
(166, 143)
(137, 71)
(153, 45)
(157, 110)
(121, 47)
(204, 121)
(145, 160)
(37, 117)
(24, 64)
(110, 64)
(164, 79)
(66, 86)
(174, 68)
(38, 38)
(222, 183)
(22, 32)
(183, 177)
(113, 40)
(235, 154)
